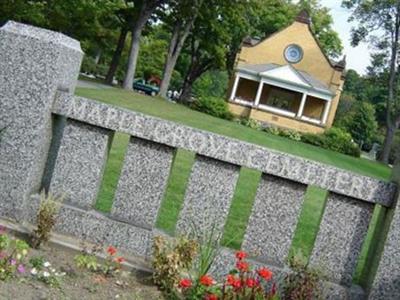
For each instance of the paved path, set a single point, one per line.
(93, 85)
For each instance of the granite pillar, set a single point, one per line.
(274, 218)
(342, 231)
(143, 181)
(34, 63)
(386, 284)
(208, 196)
(80, 163)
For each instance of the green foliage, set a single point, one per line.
(86, 261)
(361, 123)
(46, 218)
(211, 84)
(287, 133)
(301, 283)
(37, 262)
(254, 124)
(334, 139)
(216, 107)
(89, 66)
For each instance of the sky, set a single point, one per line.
(357, 58)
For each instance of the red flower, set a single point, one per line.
(242, 266)
(237, 284)
(120, 260)
(241, 255)
(211, 297)
(265, 273)
(111, 250)
(251, 282)
(185, 283)
(230, 279)
(206, 280)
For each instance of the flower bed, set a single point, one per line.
(52, 272)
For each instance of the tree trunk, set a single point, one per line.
(116, 56)
(392, 93)
(147, 8)
(170, 62)
(385, 154)
(179, 36)
(133, 56)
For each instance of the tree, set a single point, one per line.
(145, 8)
(210, 39)
(382, 16)
(181, 16)
(361, 123)
(321, 25)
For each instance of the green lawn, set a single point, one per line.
(248, 180)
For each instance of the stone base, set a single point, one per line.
(98, 228)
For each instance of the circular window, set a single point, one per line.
(293, 53)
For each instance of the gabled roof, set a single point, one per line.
(302, 17)
(286, 73)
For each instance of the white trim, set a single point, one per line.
(248, 76)
(235, 85)
(286, 85)
(302, 104)
(311, 120)
(243, 102)
(326, 111)
(276, 110)
(259, 92)
(286, 74)
(321, 96)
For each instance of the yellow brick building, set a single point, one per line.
(286, 80)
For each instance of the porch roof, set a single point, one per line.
(287, 74)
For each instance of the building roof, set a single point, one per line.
(302, 17)
(286, 73)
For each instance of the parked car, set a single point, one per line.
(149, 89)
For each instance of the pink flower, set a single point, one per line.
(13, 262)
(2, 255)
(21, 269)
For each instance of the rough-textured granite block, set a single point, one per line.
(386, 284)
(80, 163)
(142, 183)
(226, 149)
(208, 196)
(342, 231)
(98, 228)
(34, 63)
(274, 217)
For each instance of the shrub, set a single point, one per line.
(334, 139)
(301, 283)
(46, 219)
(216, 107)
(287, 133)
(170, 260)
(254, 124)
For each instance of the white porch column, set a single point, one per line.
(326, 111)
(235, 85)
(259, 91)
(302, 104)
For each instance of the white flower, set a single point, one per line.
(46, 274)
(24, 252)
(34, 271)
(53, 270)
(19, 256)
(46, 264)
